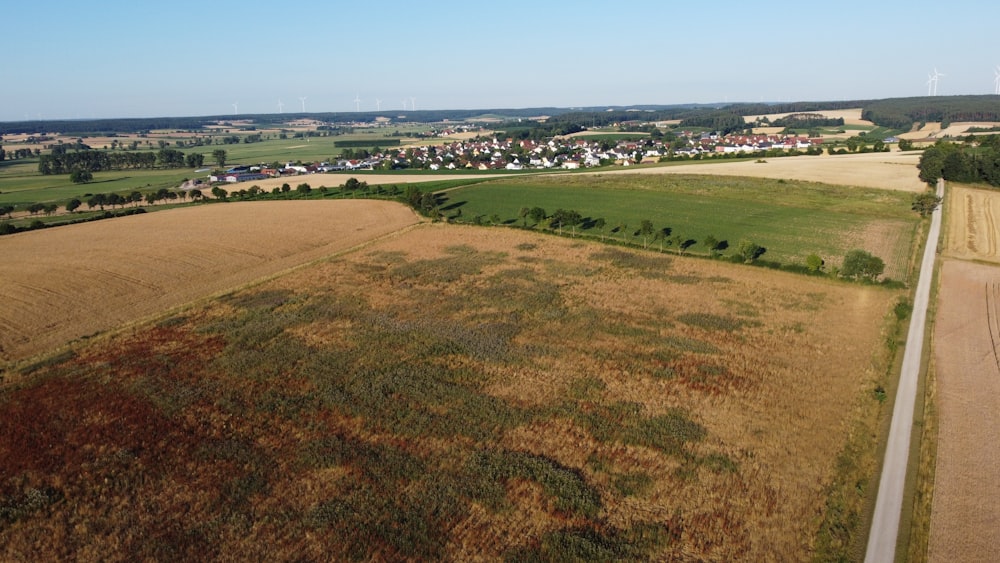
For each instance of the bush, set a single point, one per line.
(814, 263)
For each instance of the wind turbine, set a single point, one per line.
(357, 102)
(236, 108)
(996, 80)
(281, 105)
(404, 104)
(378, 104)
(936, 76)
(930, 84)
(413, 104)
(303, 100)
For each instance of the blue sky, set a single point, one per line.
(111, 58)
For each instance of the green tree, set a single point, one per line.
(194, 160)
(565, 218)
(647, 230)
(303, 188)
(712, 244)
(905, 145)
(219, 193)
(220, 157)
(81, 176)
(860, 264)
(97, 200)
(600, 224)
(72, 205)
(749, 251)
(537, 215)
(523, 214)
(814, 263)
(428, 203)
(925, 203)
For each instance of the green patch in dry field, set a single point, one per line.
(443, 396)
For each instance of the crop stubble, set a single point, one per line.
(776, 393)
(771, 365)
(964, 516)
(66, 283)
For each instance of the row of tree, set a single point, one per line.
(960, 162)
(99, 161)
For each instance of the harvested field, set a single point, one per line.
(851, 116)
(933, 130)
(891, 171)
(965, 515)
(973, 231)
(65, 283)
(458, 393)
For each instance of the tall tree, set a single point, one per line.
(220, 157)
(537, 214)
(647, 230)
(859, 264)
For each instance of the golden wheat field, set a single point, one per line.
(972, 231)
(964, 518)
(457, 393)
(967, 371)
(66, 283)
(891, 171)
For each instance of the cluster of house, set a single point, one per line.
(711, 143)
(509, 154)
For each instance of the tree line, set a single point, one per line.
(99, 161)
(962, 162)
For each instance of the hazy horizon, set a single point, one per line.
(117, 59)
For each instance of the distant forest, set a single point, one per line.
(893, 113)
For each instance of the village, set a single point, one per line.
(567, 153)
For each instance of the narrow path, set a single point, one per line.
(888, 506)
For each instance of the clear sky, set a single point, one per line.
(129, 58)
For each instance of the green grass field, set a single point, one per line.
(790, 219)
(21, 184)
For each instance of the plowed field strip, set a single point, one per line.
(990, 228)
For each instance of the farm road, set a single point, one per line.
(889, 504)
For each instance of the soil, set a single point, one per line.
(965, 515)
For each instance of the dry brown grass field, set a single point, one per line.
(455, 393)
(891, 171)
(964, 515)
(65, 283)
